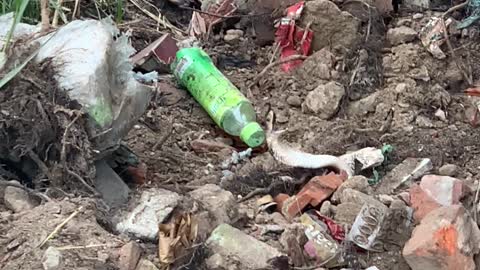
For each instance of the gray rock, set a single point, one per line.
(112, 188)
(17, 199)
(294, 101)
(52, 259)
(347, 212)
(448, 170)
(410, 169)
(354, 196)
(153, 207)
(417, 16)
(331, 26)
(364, 106)
(129, 255)
(234, 245)
(216, 262)
(220, 203)
(325, 99)
(358, 182)
(325, 209)
(236, 32)
(318, 66)
(401, 35)
(231, 39)
(146, 265)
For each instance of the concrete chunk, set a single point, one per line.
(410, 169)
(237, 246)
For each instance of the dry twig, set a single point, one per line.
(274, 64)
(159, 19)
(466, 76)
(45, 15)
(60, 226)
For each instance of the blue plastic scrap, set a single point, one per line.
(474, 11)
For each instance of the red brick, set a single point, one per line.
(314, 192)
(446, 239)
(421, 203)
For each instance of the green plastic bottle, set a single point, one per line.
(225, 104)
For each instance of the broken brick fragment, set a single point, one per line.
(313, 193)
(446, 239)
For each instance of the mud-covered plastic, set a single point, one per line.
(225, 104)
(90, 60)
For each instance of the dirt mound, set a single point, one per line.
(44, 139)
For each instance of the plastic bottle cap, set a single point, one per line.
(252, 134)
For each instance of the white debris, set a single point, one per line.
(154, 206)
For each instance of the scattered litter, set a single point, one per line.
(236, 158)
(227, 106)
(432, 36)
(291, 39)
(366, 228)
(266, 203)
(297, 158)
(320, 245)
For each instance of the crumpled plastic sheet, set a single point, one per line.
(90, 60)
(292, 39)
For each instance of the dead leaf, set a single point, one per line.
(176, 237)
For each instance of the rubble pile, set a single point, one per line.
(242, 135)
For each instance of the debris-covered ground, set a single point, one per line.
(389, 89)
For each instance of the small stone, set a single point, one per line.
(325, 208)
(129, 256)
(417, 16)
(231, 39)
(355, 196)
(440, 114)
(446, 239)
(234, 245)
(401, 35)
(146, 265)
(278, 218)
(325, 99)
(357, 182)
(385, 199)
(153, 207)
(423, 122)
(448, 170)
(294, 101)
(52, 259)
(236, 32)
(293, 240)
(216, 262)
(17, 199)
(364, 106)
(347, 212)
(220, 203)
